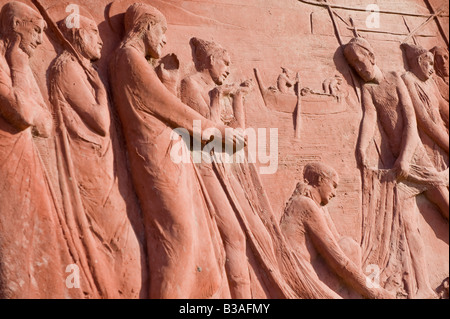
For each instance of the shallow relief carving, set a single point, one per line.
(90, 184)
(389, 194)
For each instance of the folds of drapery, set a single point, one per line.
(287, 273)
(97, 211)
(33, 250)
(384, 243)
(94, 270)
(436, 154)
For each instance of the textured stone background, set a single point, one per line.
(268, 34)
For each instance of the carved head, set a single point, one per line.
(286, 71)
(212, 57)
(420, 61)
(20, 20)
(339, 79)
(361, 57)
(441, 61)
(323, 178)
(86, 38)
(146, 23)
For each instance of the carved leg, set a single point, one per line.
(232, 235)
(182, 258)
(440, 197)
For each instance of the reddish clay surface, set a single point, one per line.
(104, 192)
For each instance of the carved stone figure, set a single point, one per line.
(88, 143)
(442, 71)
(236, 192)
(203, 92)
(32, 255)
(185, 258)
(286, 81)
(168, 72)
(306, 223)
(332, 86)
(386, 98)
(103, 194)
(431, 109)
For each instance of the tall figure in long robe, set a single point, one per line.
(431, 108)
(390, 234)
(441, 66)
(244, 213)
(33, 255)
(98, 192)
(185, 254)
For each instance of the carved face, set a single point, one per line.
(363, 62)
(155, 39)
(426, 65)
(91, 43)
(30, 34)
(441, 63)
(327, 189)
(220, 68)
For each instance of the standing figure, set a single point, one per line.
(88, 142)
(185, 254)
(244, 214)
(202, 92)
(32, 253)
(306, 223)
(428, 103)
(332, 85)
(286, 81)
(441, 67)
(385, 97)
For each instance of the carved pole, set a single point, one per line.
(60, 37)
(261, 86)
(336, 28)
(438, 22)
(52, 25)
(339, 38)
(434, 15)
(354, 29)
(298, 120)
(409, 31)
(336, 6)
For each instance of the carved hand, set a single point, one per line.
(362, 159)
(401, 169)
(235, 139)
(245, 88)
(223, 90)
(16, 57)
(94, 78)
(43, 124)
(168, 77)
